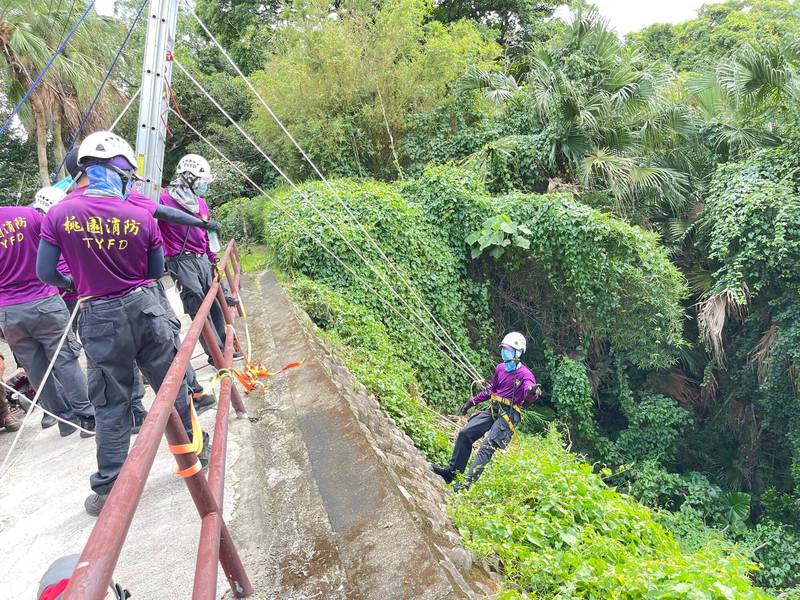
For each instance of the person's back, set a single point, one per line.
(114, 252)
(19, 240)
(104, 242)
(179, 238)
(33, 318)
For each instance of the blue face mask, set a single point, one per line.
(201, 189)
(105, 181)
(509, 358)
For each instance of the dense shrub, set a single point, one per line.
(561, 532)
(365, 348)
(418, 252)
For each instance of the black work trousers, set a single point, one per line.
(118, 334)
(499, 436)
(193, 278)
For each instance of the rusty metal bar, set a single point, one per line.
(100, 554)
(205, 578)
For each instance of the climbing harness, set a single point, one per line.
(504, 414)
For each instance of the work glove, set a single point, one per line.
(465, 408)
(211, 225)
(70, 287)
(230, 300)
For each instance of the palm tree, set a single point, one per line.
(30, 30)
(745, 97)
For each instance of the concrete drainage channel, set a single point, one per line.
(344, 502)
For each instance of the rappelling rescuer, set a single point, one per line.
(512, 388)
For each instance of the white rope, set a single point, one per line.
(124, 110)
(311, 234)
(468, 368)
(35, 401)
(350, 213)
(17, 394)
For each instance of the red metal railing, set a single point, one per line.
(100, 555)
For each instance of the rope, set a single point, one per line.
(350, 213)
(311, 235)
(102, 85)
(46, 68)
(44, 410)
(35, 401)
(125, 110)
(466, 367)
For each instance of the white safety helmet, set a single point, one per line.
(196, 166)
(515, 341)
(47, 197)
(103, 146)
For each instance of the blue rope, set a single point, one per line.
(41, 75)
(102, 85)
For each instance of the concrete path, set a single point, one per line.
(42, 515)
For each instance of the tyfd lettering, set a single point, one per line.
(105, 243)
(11, 240)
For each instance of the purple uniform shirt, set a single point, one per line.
(142, 201)
(513, 386)
(20, 229)
(104, 242)
(196, 239)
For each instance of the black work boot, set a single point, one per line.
(65, 429)
(94, 504)
(138, 419)
(203, 402)
(9, 423)
(48, 421)
(89, 425)
(443, 472)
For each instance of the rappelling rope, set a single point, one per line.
(466, 367)
(453, 345)
(313, 236)
(46, 68)
(35, 400)
(124, 110)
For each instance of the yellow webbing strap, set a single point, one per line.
(249, 378)
(196, 445)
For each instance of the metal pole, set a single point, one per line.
(151, 132)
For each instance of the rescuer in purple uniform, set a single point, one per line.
(33, 318)
(202, 401)
(114, 252)
(510, 390)
(189, 257)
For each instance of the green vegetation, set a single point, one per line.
(561, 532)
(632, 206)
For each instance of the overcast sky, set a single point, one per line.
(631, 15)
(624, 15)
